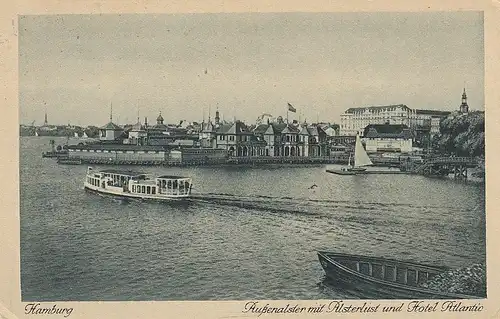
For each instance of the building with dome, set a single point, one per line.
(159, 126)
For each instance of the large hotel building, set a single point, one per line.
(355, 120)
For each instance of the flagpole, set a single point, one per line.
(287, 109)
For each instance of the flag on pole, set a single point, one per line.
(291, 108)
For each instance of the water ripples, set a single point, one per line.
(247, 233)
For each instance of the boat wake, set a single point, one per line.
(301, 205)
(259, 203)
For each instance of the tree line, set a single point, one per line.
(461, 134)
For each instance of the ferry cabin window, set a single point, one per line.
(153, 190)
(148, 189)
(144, 189)
(133, 188)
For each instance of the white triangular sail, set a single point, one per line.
(85, 135)
(360, 156)
(76, 134)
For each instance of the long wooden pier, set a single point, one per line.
(443, 166)
(203, 162)
(435, 166)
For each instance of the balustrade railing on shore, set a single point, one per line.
(217, 161)
(452, 160)
(403, 163)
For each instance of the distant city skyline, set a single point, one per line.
(74, 66)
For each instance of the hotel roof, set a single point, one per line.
(433, 112)
(376, 108)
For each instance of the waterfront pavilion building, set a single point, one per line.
(137, 134)
(110, 132)
(388, 138)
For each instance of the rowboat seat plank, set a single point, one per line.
(401, 275)
(389, 273)
(411, 278)
(364, 268)
(377, 271)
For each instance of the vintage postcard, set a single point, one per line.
(214, 160)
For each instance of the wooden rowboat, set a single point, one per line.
(384, 278)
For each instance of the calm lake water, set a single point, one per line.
(250, 233)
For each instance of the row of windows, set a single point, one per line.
(93, 181)
(108, 151)
(244, 138)
(201, 151)
(385, 138)
(143, 189)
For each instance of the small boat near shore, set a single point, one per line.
(361, 159)
(137, 185)
(55, 154)
(385, 278)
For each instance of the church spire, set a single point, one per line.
(138, 117)
(464, 107)
(217, 116)
(45, 122)
(111, 113)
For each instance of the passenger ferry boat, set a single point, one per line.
(137, 185)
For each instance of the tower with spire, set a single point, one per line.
(217, 117)
(137, 134)
(45, 122)
(110, 131)
(464, 107)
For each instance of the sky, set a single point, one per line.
(187, 66)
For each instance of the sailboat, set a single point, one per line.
(76, 135)
(361, 160)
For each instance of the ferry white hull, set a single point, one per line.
(119, 192)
